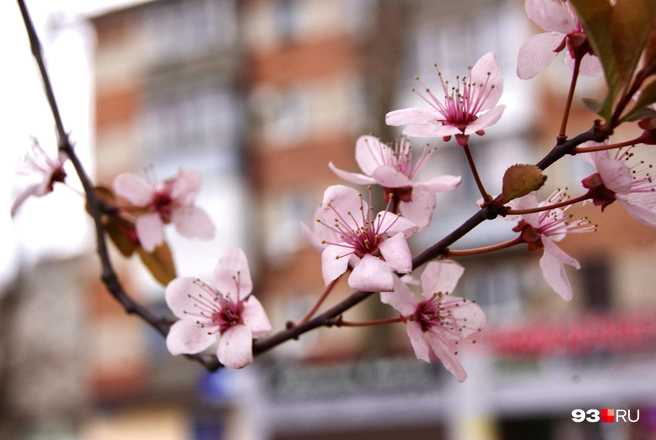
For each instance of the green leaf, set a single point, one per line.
(640, 110)
(593, 104)
(159, 263)
(519, 180)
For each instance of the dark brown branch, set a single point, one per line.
(108, 276)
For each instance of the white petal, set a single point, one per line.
(487, 119)
(486, 71)
(31, 190)
(438, 184)
(615, 174)
(444, 353)
(397, 253)
(341, 199)
(356, 178)
(133, 188)
(467, 312)
(420, 210)
(150, 231)
(550, 15)
(333, 262)
(441, 276)
(235, 348)
(590, 65)
(418, 341)
(402, 298)
(182, 295)
(370, 153)
(390, 177)
(256, 318)
(431, 130)
(391, 224)
(640, 207)
(529, 201)
(552, 264)
(232, 277)
(186, 186)
(187, 337)
(193, 222)
(412, 116)
(371, 275)
(537, 53)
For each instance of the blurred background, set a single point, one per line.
(260, 95)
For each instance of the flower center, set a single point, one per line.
(162, 204)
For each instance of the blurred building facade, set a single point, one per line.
(260, 95)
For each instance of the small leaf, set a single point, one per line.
(647, 97)
(519, 180)
(118, 229)
(159, 263)
(593, 104)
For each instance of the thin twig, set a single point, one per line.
(109, 277)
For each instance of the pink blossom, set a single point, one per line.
(42, 171)
(538, 52)
(541, 230)
(614, 180)
(226, 309)
(164, 202)
(440, 321)
(459, 113)
(391, 167)
(348, 232)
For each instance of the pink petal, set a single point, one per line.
(590, 65)
(356, 178)
(371, 275)
(392, 224)
(235, 348)
(412, 116)
(402, 298)
(537, 53)
(443, 352)
(390, 177)
(133, 188)
(640, 207)
(420, 210)
(370, 153)
(333, 262)
(550, 15)
(431, 130)
(232, 277)
(193, 222)
(440, 276)
(552, 264)
(150, 231)
(313, 238)
(418, 341)
(615, 174)
(342, 199)
(468, 312)
(529, 201)
(186, 337)
(31, 190)
(186, 186)
(255, 317)
(486, 71)
(397, 253)
(487, 119)
(182, 294)
(438, 184)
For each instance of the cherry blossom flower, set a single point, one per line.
(440, 321)
(614, 180)
(42, 171)
(558, 17)
(391, 168)
(541, 230)
(170, 201)
(226, 309)
(459, 113)
(349, 233)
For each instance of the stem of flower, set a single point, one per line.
(486, 197)
(320, 301)
(639, 139)
(482, 250)
(567, 202)
(570, 97)
(341, 323)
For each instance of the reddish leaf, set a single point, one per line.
(520, 180)
(159, 263)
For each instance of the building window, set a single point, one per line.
(595, 279)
